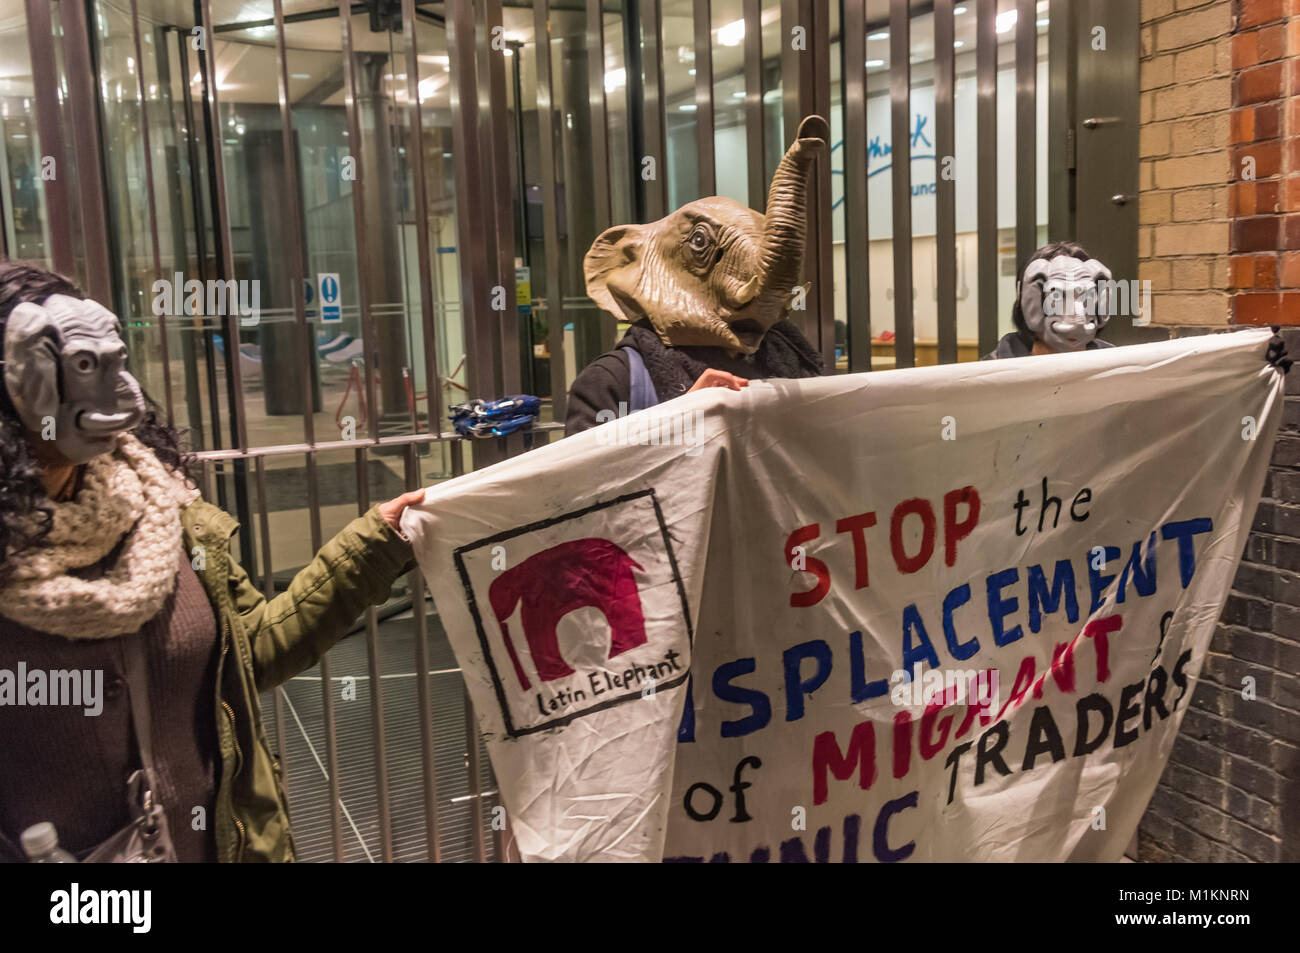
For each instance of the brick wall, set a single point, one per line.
(1217, 78)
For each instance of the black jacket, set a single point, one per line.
(607, 381)
(1016, 344)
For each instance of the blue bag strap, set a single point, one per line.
(643, 388)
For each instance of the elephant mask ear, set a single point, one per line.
(31, 353)
(1031, 295)
(615, 256)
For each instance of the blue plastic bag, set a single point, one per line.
(495, 418)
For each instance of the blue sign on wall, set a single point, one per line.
(330, 303)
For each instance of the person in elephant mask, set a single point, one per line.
(1062, 304)
(707, 291)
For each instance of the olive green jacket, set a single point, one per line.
(264, 644)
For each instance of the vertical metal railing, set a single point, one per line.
(152, 206)
(83, 102)
(704, 131)
(945, 185)
(900, 104)
(424, 253)
(423, 693)
(986, 172)
(225, 249)
(857, 233)
(655, 125)
(1026, 129)
(755, 149)
(547, 137)
(374, 668)
(359, 187)
(494, 117)
(602, 193)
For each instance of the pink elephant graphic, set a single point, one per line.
(555, 582)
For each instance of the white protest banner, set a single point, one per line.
(946, 613)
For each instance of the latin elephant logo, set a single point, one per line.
(611, 560)
(549, 585)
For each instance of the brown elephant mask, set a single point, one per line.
(713, 273)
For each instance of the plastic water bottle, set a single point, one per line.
(41, 843)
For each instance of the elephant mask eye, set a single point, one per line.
(700, 245)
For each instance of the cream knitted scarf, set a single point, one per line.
(127, 492)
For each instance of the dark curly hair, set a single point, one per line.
(21, 490)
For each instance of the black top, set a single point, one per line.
(607, 381)
(1016, 344)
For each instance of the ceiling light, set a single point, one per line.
(614, 79)
(883, 35)
(957, 44)
(875, 62)
(1005, 21)
(958, 11)
(688, 107)
(732, 34)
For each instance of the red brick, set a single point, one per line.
(1290, 194)
(1254, 271)
(1241, 199)
(1265, 271)
(1256, 307)
(1259, 84)
(1290, 233)
(1266, 197)
(1258, 123)
(1259, 233)
(1243, 125)
(1293, 116)
(1272, 42)
(1241, 271)
(1290, 276)
(1258, 12)
(1267, 156)
(1259, 46)
(1245, 50)
(1268, 121)
(1292, 154)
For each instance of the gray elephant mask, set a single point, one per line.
(65, 372)
(1065, 301)
(713, 273)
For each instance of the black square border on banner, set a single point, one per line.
(472, 602)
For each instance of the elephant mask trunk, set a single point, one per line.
(781, 250)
